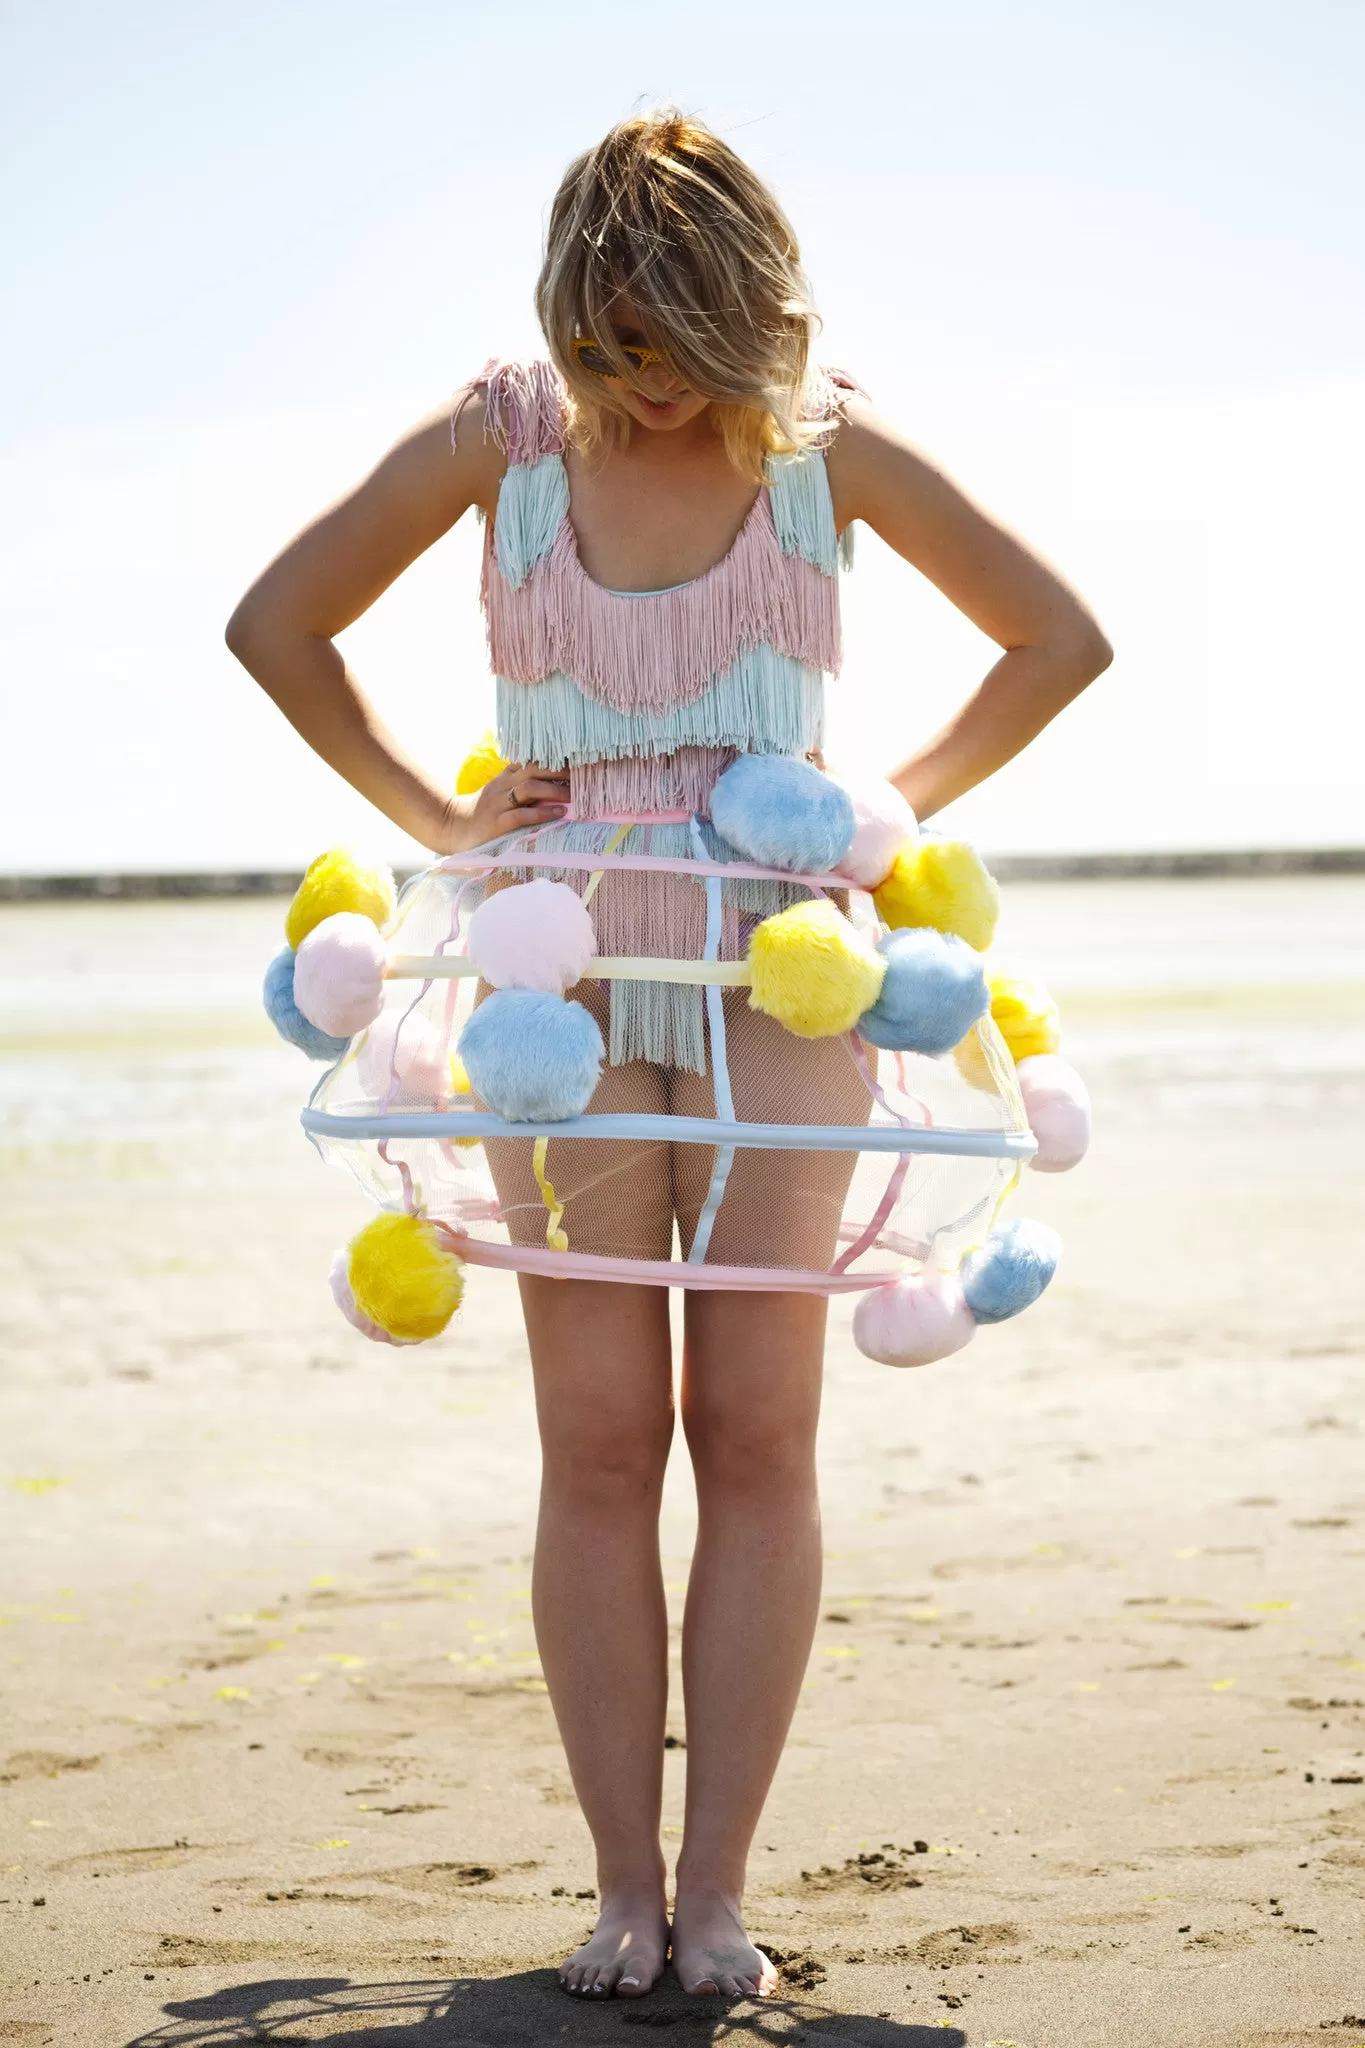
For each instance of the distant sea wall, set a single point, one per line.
(1007, 867)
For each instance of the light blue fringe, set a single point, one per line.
(765, 702)
(532, 504)
(803, 511)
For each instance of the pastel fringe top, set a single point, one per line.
(645, 698)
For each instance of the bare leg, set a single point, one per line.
(604, 1400)
(751, 1401)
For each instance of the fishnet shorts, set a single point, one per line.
(625, 1199)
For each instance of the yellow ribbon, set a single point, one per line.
(556, 1238)
(611, 847)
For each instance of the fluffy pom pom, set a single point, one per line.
(401, 1046)
(286, 1016)
(334, 882)
(1026, 1016)
(943, 883)
(460, 1084)
(812, 970)
(480, 765)
(403, 1278)
(1057, 1104)
(535, 935)
(913, 1321)
(883, 826)
(934, 991)
(339, 974)
(783, 813)
(533, 1058)
(1010, 1270)
(339, 1279)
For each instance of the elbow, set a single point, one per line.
(1099, 653)
(251, 634)
(238, 632)
(1088, 652)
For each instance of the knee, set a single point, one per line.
(750, 1453)
(591, 1472)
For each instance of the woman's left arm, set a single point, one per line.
(1053, 646)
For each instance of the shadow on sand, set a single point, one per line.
(516, 2011)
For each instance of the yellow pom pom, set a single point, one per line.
(460, 1084)
(945, 884)
(813, 971)
(970, 1060)
(1025, 1014)
(1026, 1018)
(403, 1278)
(336, 881)
(480, 766)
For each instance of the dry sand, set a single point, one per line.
(1080, 1759)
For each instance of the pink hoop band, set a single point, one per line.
(525, 1258)
(739, 870)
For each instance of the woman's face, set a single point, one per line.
(669, 403)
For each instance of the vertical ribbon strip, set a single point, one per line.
(720, 1069)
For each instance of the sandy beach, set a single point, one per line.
(1080, 1762)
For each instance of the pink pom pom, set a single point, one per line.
(913, 1321)
(885, 826)
(339, 1280)
(537, 935)
(1057, 1104)
(339, 974)
(421, 1070)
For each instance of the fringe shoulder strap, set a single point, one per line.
(524, 409)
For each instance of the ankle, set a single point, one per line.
(631, 1886)
(700, 1888)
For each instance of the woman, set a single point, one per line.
(663, 499)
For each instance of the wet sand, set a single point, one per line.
(1081, 1758)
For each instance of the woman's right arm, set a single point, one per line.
(283, 630)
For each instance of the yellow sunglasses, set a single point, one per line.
(589, 356)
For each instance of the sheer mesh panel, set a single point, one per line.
(864, 1213)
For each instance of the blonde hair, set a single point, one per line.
(664, 213)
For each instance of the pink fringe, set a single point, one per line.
(680, 782)
(525, 408)
(826, 394)
(651, 653)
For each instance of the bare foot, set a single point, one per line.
(624, 1956)
(711, 1951)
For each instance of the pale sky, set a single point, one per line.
(1100, 261)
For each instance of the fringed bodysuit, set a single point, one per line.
(646, 697)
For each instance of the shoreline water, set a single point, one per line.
(1171, 864)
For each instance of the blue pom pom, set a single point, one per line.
(783, 813)
(934, 991)
(293, 1027)
(533, 1058)
(1010, 1270)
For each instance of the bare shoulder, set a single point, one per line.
(877, 474)
(873, 467)
(339, 564)
(447, 461)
